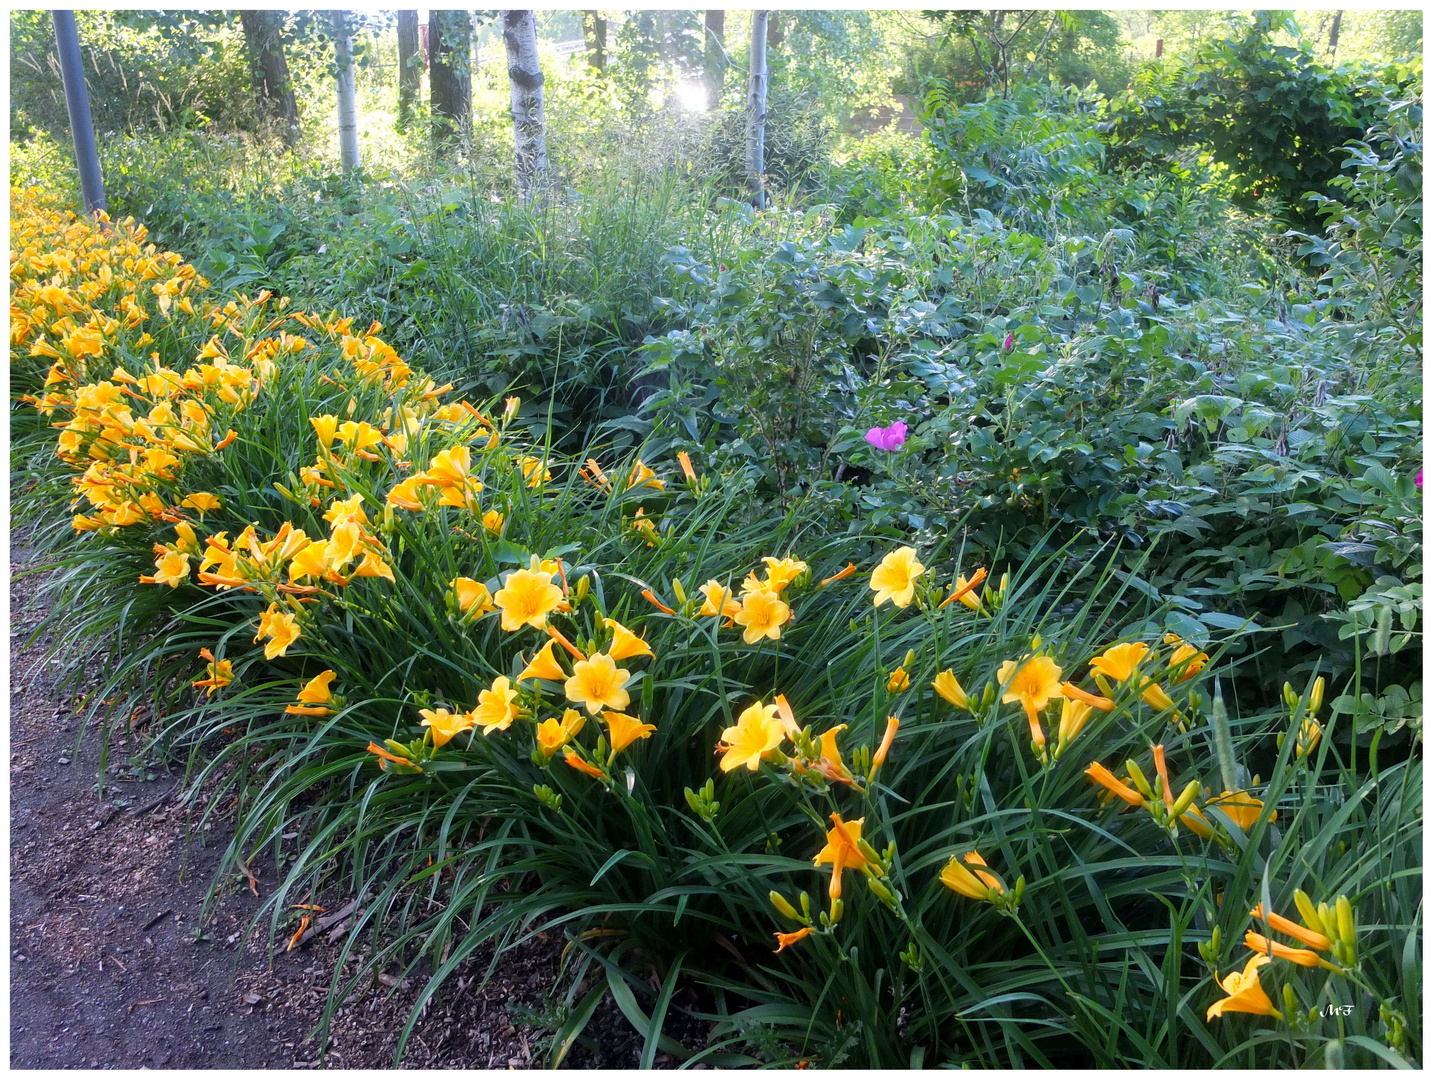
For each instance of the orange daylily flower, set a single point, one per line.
(783, 940)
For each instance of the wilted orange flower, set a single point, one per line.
(783, 940)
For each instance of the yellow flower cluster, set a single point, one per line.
(762, 612)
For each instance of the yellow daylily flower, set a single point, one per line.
(444, 724)
(315, 697)
(977, 884)
(782, 572)
(624, 730)
(495, 711)
(895, 578)
(171, 568)
(1119, 661)
(1246, 995)
(947, 686)
(842, 851)
(451, 468)
(472, 597)
(202, 501)
(1187, 655)
(533, 471)
(326, 428)
(527, 598)
(899, 682)
(1242, 808)
(641, 476)
(757, 732)
(218, 673)
(493, 522)
(281, 628)
(554, 734)
(1033, 684)
(625, 644)
(763, 614)
(543, 665)
(719, 600)
(597, 683)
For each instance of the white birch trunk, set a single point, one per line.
(525, 77)
(347, 94)
(756, 112)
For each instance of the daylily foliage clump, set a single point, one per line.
(597, 694)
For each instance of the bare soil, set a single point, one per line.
(111, 966)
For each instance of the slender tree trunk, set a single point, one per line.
(525, 76)
(450, 79)
(712, 54)
(1333, 32)
(775, 32)
(269, 71)
(594, 32)
(347, 93)
(756, 111)
(77, 102)
(410, 67)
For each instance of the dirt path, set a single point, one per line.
(111, 968)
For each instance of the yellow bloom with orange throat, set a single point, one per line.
(762, 615)
(757, 732)
(527, 598)
(495, 711)
(895, 578)
(597, 683)
(281, 628)
(1034, 684)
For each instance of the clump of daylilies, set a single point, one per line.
(1325, 928)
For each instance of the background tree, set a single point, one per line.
(594, 35)
(273, 88)
(525, 77)
(714, 54)
(410, 67)
(756, 110)
(347, 92)
(450, 77)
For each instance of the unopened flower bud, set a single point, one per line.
(783, 905)
(1310, 913)
(583, 584)
(1138, 777)
(1185, 800)
(1316, 695)
(910, 659)
(1346, 928)
(678, 591)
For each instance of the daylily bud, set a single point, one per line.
(583, 584)
(1137, 776)
(1346, 929)
(679, 592)
(1291, 699)
(783, 905)
(883, 894)
(1316, 695)
(838, 908)
(1310, 913)
(1185, 800)
(910, 659)
(1291, 1005)
(1035, 643)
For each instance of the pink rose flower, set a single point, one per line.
(888, 438)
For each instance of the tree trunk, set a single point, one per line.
(410, 67)
(594, 32)
(347, 95)
(525, 76)
(756, 112)
(450, 78)
(712, 55)
(775, 32)
(269, 71)
(1333, 32)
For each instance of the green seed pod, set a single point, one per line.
(783, 905)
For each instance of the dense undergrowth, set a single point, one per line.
(1129, 472)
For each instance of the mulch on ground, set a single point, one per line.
(111, 966)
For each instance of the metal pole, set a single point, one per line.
(77, 100)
